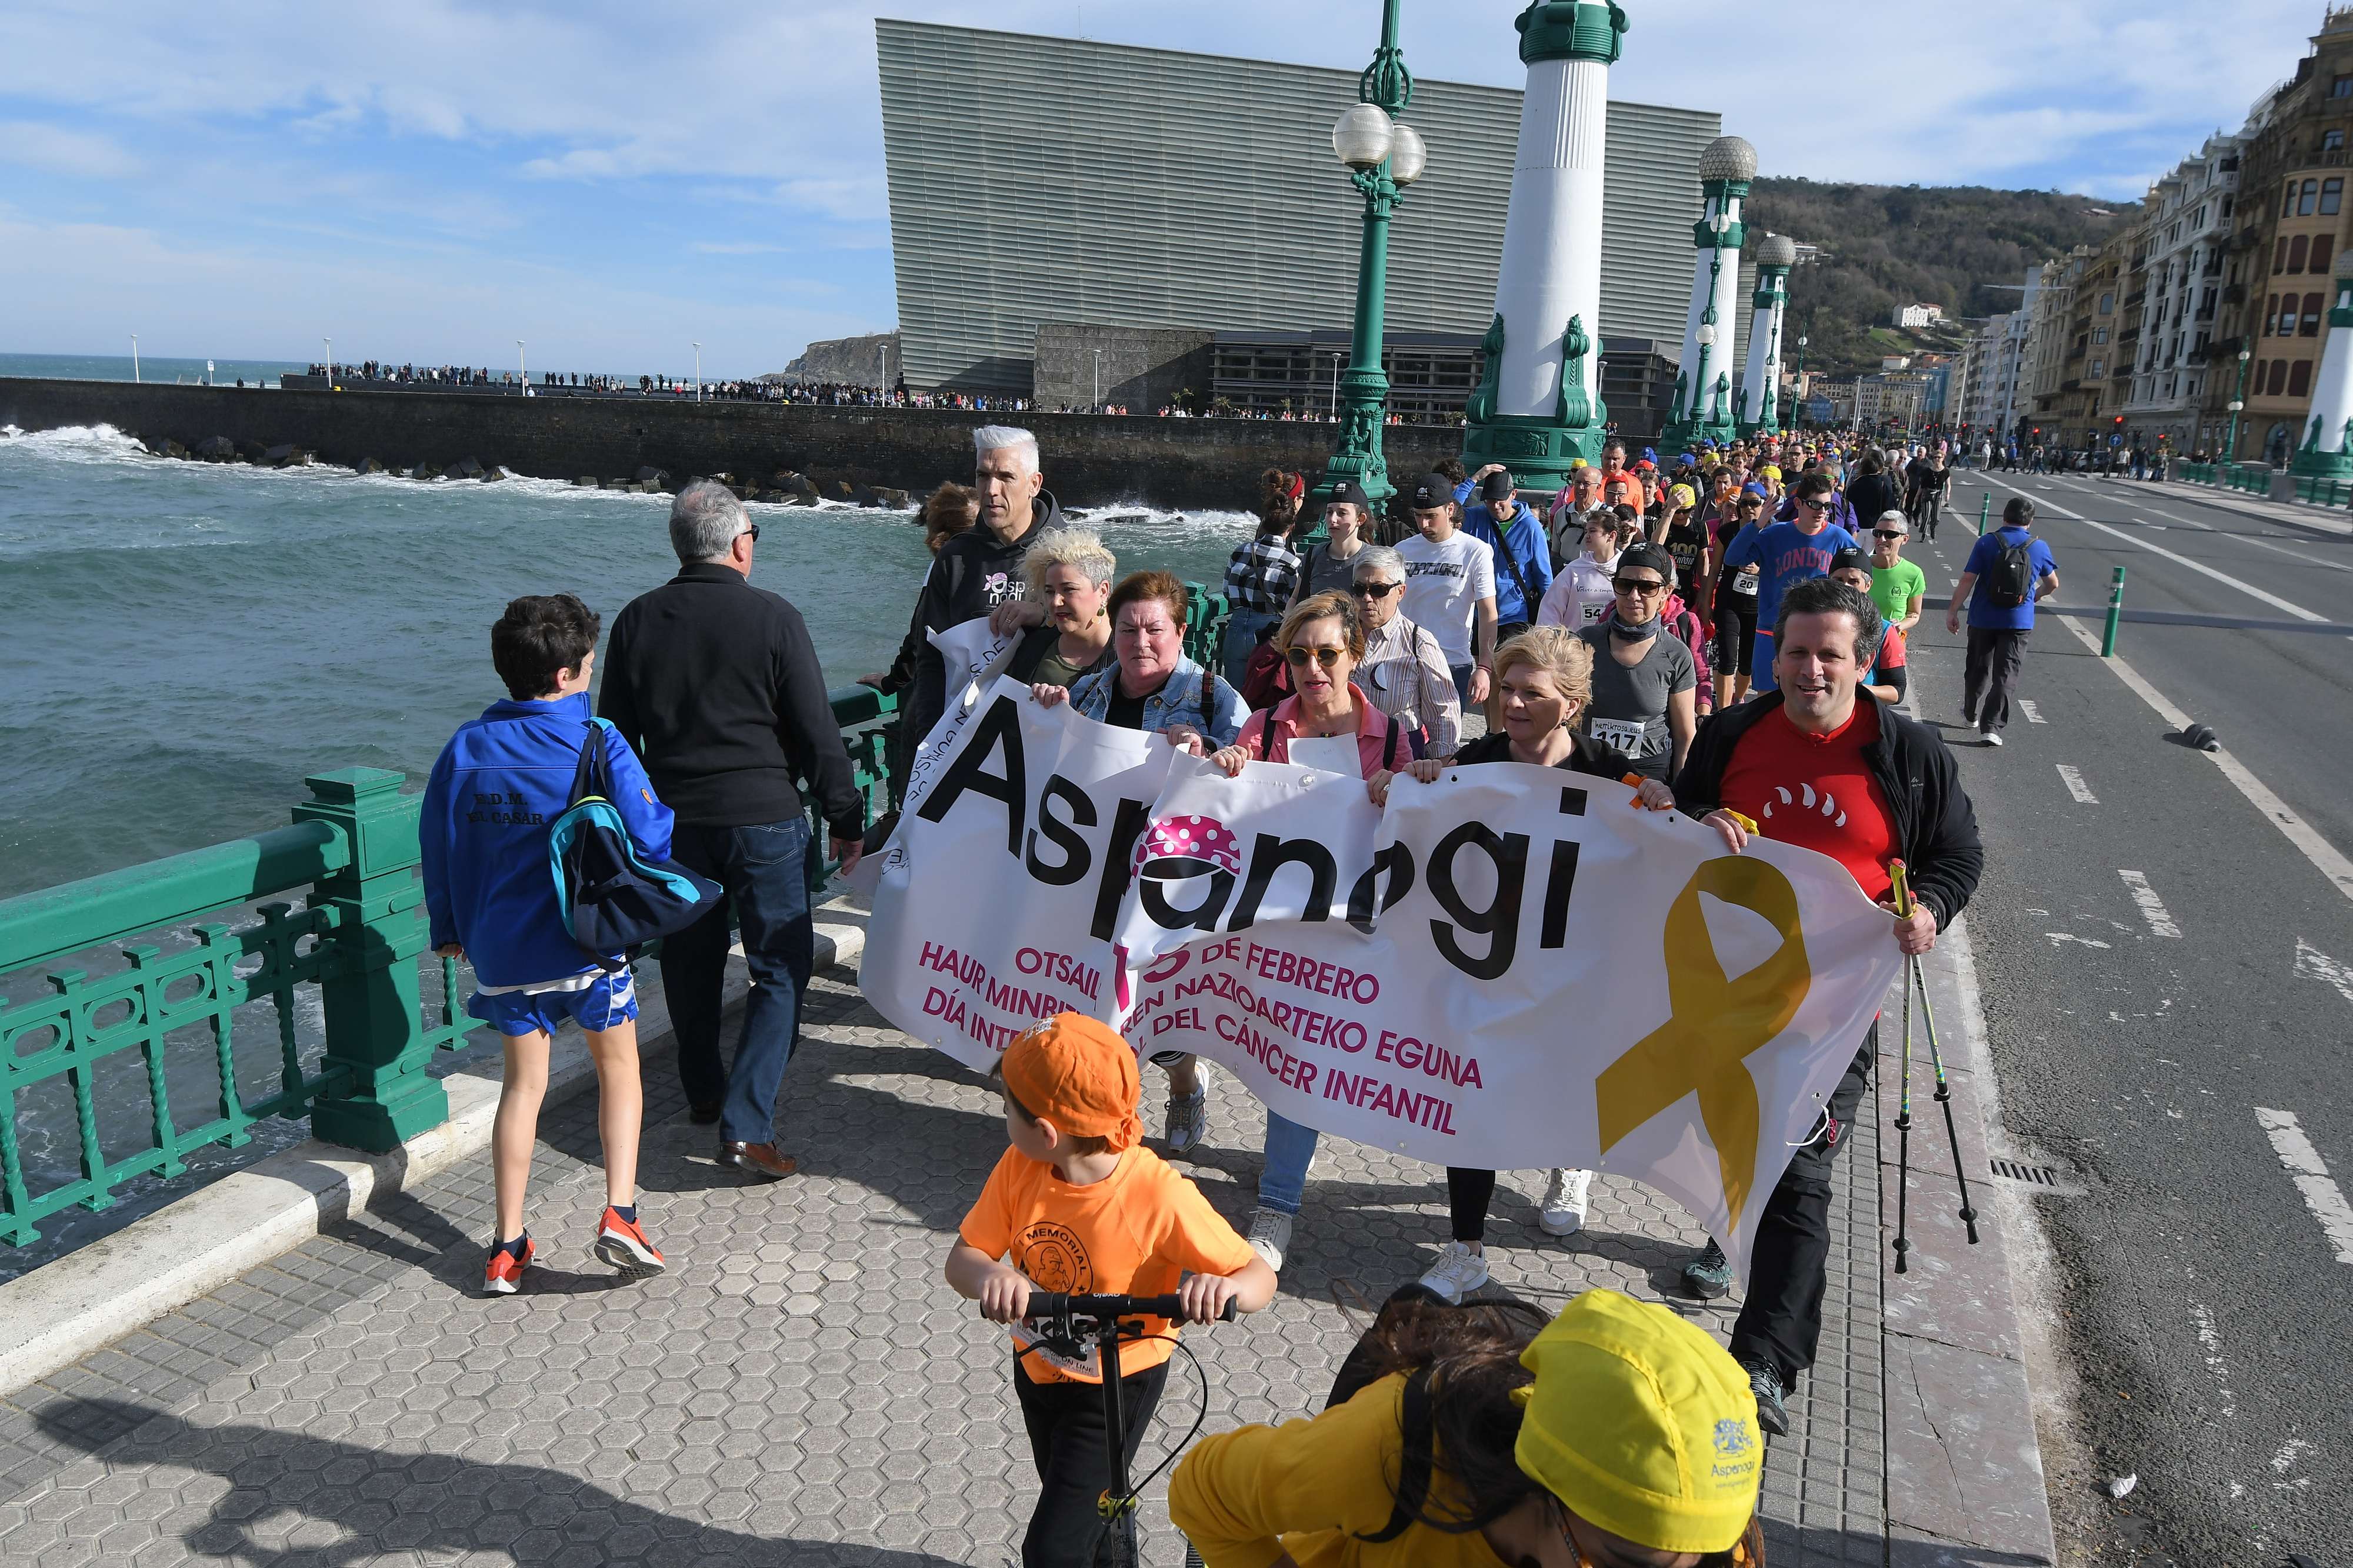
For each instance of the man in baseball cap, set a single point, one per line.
(1449, 586)
(1508, 527)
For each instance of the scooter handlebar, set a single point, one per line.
(1054, 1304)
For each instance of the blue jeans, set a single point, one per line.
(1289, 1150)
(764, 869)
(1242, 628)
(1461, 674)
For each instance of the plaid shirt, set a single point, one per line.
(1262, 575)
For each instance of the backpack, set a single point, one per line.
(2011, 582)
(612, 898)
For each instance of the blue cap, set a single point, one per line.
(1753, 488)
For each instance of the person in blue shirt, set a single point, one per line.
(1508, 526)
(491, 898)
(2008, 571)
(1783, 553)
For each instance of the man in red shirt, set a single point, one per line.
(1821, 764)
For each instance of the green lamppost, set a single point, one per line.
(1384, 155)
(1798, 391)
(2237, 404)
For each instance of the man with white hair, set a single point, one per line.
(981, 568)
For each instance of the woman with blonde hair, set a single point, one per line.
(1543, 678)
(1069, 572)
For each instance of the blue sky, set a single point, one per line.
(432, 180)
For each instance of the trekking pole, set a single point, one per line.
(1937, 1056)
(1904, 1123)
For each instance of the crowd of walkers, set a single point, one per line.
(1712, 631)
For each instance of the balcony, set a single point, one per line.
(2234, 293)
(2134, 298)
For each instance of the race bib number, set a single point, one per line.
(1588, 612)
(1745, 581)
(1620, 734)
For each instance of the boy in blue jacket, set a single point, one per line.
(491, 898)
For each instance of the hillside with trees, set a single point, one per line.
(1963, 247)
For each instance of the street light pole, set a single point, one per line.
(1383, 155)
(521, 370)
(2238, 402)
(1098, 404)
(331, 362)
(698, 372)
(1802, 398)
(134, 356)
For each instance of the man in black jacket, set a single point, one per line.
(981, 568)
(1898, 796)
(717, 686)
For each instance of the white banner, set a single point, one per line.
(1510, 968)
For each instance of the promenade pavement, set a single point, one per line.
(802, 1388)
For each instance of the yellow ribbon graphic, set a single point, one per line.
(1715, 1023)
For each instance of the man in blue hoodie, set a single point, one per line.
(491, 898)
(1522, 556)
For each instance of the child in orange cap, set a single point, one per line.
(1084, 1208)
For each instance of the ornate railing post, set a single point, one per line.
(376, 1024)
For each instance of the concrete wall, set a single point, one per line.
(1142, 368)
(1089, 459)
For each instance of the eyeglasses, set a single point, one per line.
(1326, 657)
(1638, 585)
(1375, 590)
(1886, 533)
(753, 529)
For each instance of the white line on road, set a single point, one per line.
(2199, 566)
(2152, 908)
(2321, 1192)
(2210, 1340)
(2033, 714)
(2248, 539)
(2076, 786)
(2325, 857)
(2311, 963)
(2059, 936)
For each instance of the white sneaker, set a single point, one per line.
(1269, 1236)
(1992, 736)
(1563, 1210)
(1457, 1273)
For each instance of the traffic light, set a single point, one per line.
(2120, 420)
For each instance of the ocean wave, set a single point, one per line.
(79, 443)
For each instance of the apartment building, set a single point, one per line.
(2189, 217)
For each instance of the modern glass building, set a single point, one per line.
(1038, 180)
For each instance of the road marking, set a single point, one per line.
(2210, 1340)
(2321, 1193)
(2198, 566)
(2076, 786)
(2152, 908)
(2311, 963)
(2059, 936)
(2033, 714)
(2325, 857)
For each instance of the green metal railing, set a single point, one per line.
(2195, 473)
(2256, 479)
(2322, 493)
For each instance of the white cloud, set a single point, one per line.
(56, 151)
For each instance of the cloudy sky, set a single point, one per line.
(433, 179)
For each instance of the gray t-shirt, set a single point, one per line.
(1321, 573)
(1629, 701)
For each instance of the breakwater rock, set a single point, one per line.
(770, 451)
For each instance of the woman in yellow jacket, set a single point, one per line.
(1619, 1436)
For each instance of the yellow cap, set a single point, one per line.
(1681, 496)
(1642, 1425)
(1770, 471)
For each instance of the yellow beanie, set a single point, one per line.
(1642, 1425)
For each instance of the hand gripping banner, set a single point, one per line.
(1510, 968)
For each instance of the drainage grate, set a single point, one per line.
(2031, 1176)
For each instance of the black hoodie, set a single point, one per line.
(973, 574)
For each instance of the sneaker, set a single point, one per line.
(504, 1275)
(1709, 1276)
(1188, 1121)
(1457, 1273)
(1563, 1212)
(621, 1243)
(1765, 1383)
(1992, 736)
(1269, 1236)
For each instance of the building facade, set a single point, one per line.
(2073, 409)
(1037, 180)
(2189, 217)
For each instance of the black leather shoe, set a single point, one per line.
(758, 1160)
(704, 1112)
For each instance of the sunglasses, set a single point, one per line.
(753, 529)
(1816, 503)
(1638, 585)
(1326, 657)
(1886, 533)
(1375, 590)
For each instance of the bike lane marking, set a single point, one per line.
(2305, 1167)
(2152, 908)
(2076, 786)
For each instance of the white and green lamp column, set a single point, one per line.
(1537, 408)
(1759, 408)
(1384, 155)
(1702, 409)
(2328, 449)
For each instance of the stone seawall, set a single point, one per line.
(1090, 460)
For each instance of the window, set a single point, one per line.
(2098, 364)
(2321, 245)
(2107, 304)
(2226, 208)
(2295, 249)
(2279, 256)
(2304, 198)
(2332, 196)
(2340, 87)
(2279, 378)
(2256, 381)
(2270, 317)
(2287, 201)
(2299, 379)
(2311, 327)
(2332, 140)
(2099, 334)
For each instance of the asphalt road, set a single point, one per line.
(2167, 977)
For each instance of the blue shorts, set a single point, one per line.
(609, 1000)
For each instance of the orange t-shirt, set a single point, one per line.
(1132, 1233)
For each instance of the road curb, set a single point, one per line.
(1964, 1478)
(81, 1302)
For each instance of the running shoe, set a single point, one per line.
(1709, 1276)
(1765, 1383)
(504, 1275)
(1187, 1122)
(1269, 1236)
(1992, 736)
(623, 1244)
(1564, 1208)
(1457, 1273)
